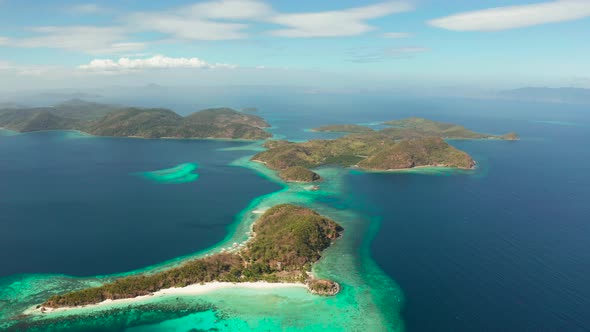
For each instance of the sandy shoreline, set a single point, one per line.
(195, 289)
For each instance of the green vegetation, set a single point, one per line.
(430, 151)
(83, 110)
(68, 115)
(412, 142)
(323, 287)
(34, 119)
(107, 120)
(373, 151)
(288, 240)
(344, 128)
(299, 174)
(419, 127)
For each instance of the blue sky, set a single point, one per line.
(484, 44)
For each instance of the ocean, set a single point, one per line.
(79, 205)
(501, 248)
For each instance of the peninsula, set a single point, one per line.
(111, 120)
(299, 174)
(288, 240)
(408, 143)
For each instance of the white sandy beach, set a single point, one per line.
(195, 289)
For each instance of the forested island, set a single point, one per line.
(299, 174)
(420, 127)
(408, 143)
(344, 128)
(111, 120)
(287, 240)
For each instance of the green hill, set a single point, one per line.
(83, 110)
(344, 128)
(419, 127)
(34, 119)
(369, 151)
(430, 151)
(288, 240)
(148, 123)
(299, 174)
(108, 120)
(411, 142)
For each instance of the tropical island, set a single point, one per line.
(111, 120)
(419, 127)
(299, 174)
(287, 240)
(343, 128)
(408, 143)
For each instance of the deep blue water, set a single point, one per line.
(74, 206)
(503, 249)
(508, 251)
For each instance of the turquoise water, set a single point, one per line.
(182, 173)
(468, 250)
(369, 298)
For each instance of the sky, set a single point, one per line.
(463, 44)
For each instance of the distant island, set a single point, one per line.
(420, 127)
(344, 128)
(110, 120)
(288, 240)
(408, 143)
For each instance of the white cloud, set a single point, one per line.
(230, 19)
(87, 8)
(5, 65)
(230, 9)
(203, 21)
(211, 20)
(155, 62)
(187, 27)
(510, 17)
(348, 22)
(89, 39)
(397, 35)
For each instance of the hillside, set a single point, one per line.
(148, 123)
(108, 120)
(83, 110)
(431, 151)
(289, 239)
(344, 128)
(419, 127)
(299, 174)
(65, 116)
(372, 151)
(34, 119)
(412, 142)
